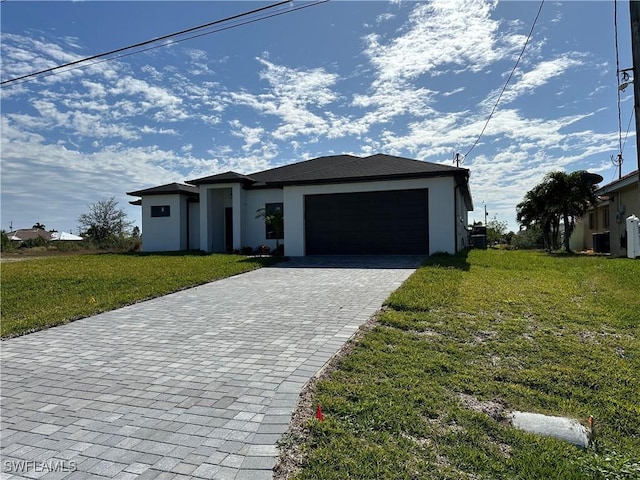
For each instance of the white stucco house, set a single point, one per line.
(341, 204)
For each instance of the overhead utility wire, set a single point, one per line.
(147, 42)
(220, 29)
(628, 128)
(495, 106)
(615, 34)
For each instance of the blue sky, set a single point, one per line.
(414, 79)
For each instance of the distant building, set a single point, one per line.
(24, 234)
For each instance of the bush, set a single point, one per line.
(6, 245)
(528, 239)
(34, 242)
(114, 243)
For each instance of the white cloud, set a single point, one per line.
(524, 83)
(251, 136)
(292, 95)
(439, 34)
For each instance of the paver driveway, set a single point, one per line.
(197, 384)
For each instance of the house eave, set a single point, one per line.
(355, 179)
(624, 182)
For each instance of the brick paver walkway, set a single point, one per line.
(197, 384)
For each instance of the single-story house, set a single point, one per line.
(603, 228)
(23, 234)
(341, 204)
(65, 237)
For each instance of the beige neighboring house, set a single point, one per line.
(603, 228)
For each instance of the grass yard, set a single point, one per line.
(468, 339)
(49, 291)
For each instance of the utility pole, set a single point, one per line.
(634, 10)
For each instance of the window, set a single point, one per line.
(592, 220)
(160, 211)
(274, 221)
(605, 218)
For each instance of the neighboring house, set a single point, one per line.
(342, 204)
(32, 233)
(65, 237)
(603, 228)
(23, 234)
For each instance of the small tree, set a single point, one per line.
(496, 230)
(509, 237)
(38, 226)
(105, 222)
(275, 219)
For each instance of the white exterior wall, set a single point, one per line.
(441, 209)
(253, 229)
(162, 234)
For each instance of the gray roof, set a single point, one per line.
(168, 189)
(225, 177)
(29, 234)
(325, 170)
(339, 169)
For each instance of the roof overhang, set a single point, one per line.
(626, 181)
(168, 189)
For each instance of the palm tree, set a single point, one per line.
(535, 211)
(560, 196)
(573, 195)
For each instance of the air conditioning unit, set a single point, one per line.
(633, 236)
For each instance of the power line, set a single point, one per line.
(628, 128)
(153, 47)
(624, 143)
(615, 35)
(77, 63)
(495, 106)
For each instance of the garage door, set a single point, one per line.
(389, 222)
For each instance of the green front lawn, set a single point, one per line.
(49, 291)
(466, 340)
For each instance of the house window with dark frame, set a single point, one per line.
(160, 211)
(592, 220)
(274, 223)
(605, 218)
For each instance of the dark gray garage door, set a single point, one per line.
(390, 222)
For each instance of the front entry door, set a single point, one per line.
(228, 229)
